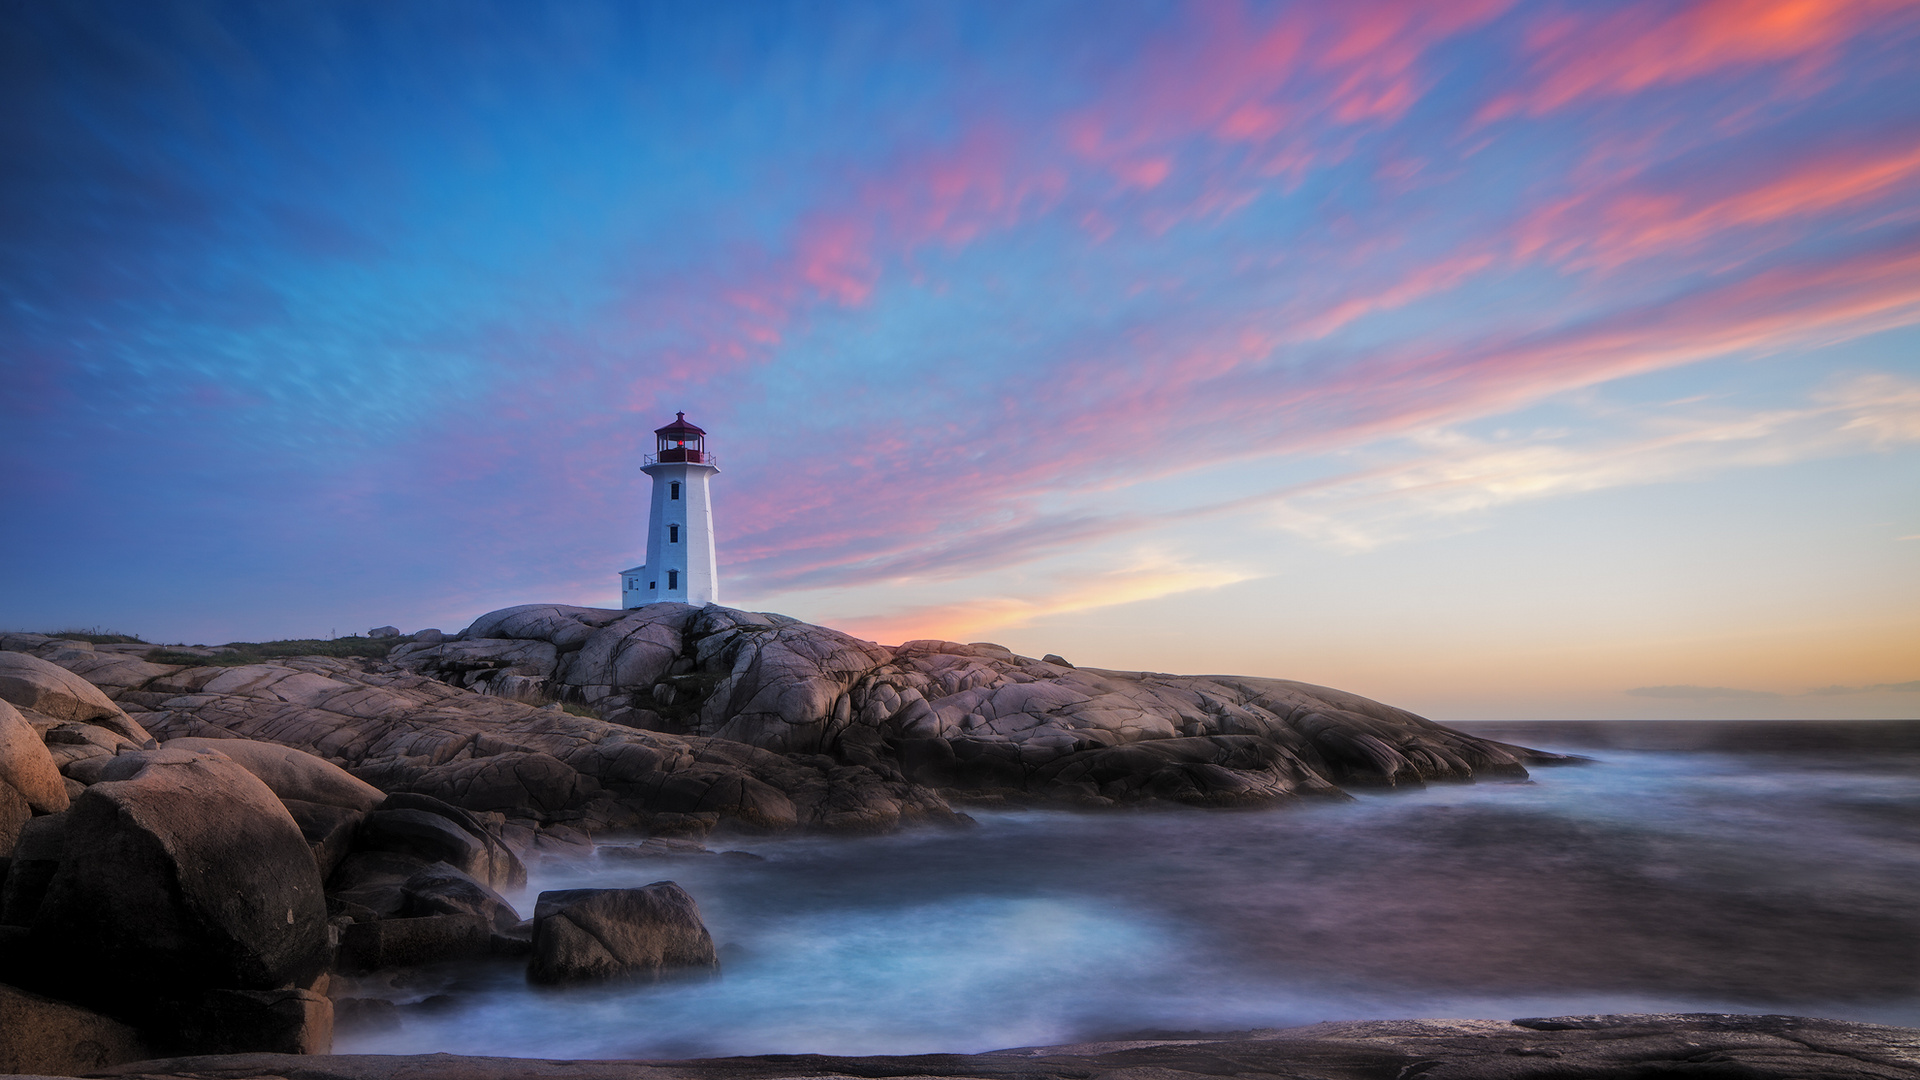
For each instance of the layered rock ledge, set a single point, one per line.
(1700, 1045)
(697, 715)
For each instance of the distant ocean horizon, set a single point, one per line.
(1692, 866)
(1900, 736)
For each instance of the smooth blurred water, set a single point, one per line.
(1719, 880)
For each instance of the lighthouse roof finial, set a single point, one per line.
(679, 427)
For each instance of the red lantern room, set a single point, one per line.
(681, 441)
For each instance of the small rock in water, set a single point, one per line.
(582, 935)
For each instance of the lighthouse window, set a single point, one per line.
(673, 534)
(675, 489)
(654, 585)
(673, 579)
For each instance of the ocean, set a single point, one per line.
(1690, 867)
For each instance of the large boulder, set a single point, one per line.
(181, 874)
(594, 934)
(291, 773)
(46, 1037)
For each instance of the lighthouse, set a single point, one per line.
(680, 566)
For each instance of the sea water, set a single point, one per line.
(1776, 871)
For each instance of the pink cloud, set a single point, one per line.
(940, 513)
(1624, 49)
(1607, 229)
(1422, 282)
(835, 257)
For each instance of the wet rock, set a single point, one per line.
(406, 942)
(442, 890)
(582, 935)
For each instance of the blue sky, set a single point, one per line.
(1494, 359)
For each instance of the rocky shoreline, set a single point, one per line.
(235, 840)
(1705, 1046)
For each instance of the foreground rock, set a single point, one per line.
(40, 1035)
(177, 895)
(585, 935)
(1700, 1045)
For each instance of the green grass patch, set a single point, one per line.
(95, 637)
(253, 652)
(580, 708)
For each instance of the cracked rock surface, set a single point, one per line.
(958, 717)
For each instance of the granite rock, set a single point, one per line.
(27, 769)
(760, 722)
(180, 873)
(585, 935)
(42, 1036)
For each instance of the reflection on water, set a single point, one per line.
(1715, 880)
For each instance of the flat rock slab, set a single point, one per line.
(1679, 1046)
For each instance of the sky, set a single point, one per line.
(1493, 359)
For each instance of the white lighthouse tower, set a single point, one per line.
(680, 566)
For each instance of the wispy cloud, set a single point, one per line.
(1700, 693)
(1611, 227)
(1876, 688)
(1447, 474)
